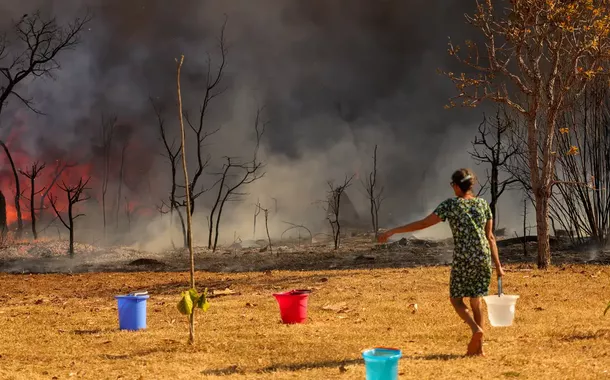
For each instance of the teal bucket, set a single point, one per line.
(381, 363)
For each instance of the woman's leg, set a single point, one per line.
(477, 332)
(475, 305)
(462, 311)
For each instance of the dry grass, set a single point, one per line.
(66, 326)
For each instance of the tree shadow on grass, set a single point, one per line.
(291, 367)
(439, 357)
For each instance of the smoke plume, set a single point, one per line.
(334, 77)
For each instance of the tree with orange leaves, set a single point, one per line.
(537, 57)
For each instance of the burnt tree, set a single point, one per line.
(74, 195)
(491, 147)
(333, 207)
(31, 49)
(374, 194)
(107, 129)
(212, 89)
(120, 185)
(31, 174)
(266, 213)
(59, 170)
(17, 189)
(233, 176)
(3, 223)
(257, 212)
(172, 153)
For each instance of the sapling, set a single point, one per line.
(190, 299)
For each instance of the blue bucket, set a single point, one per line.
(132, 311)
(381, 363)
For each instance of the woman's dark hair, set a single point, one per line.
(464, 179)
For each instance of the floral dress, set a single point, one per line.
(471, 267)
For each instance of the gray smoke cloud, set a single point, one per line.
(335, 78)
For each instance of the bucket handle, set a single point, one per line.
(499, 286)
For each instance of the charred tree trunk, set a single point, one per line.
(3, 224)
(31, 175)
(70, 225)
(17, 190)
(120, 189)
(107, 132)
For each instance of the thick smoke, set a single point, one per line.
(335, 77)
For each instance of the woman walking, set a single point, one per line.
(471, 223)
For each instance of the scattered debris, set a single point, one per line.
(337, 308)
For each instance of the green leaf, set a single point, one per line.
(185, 306)
(202, 301)
(194, 295)
(607, 308)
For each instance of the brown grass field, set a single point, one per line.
(65, 326)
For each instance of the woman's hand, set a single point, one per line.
(499, 271)
(383, 237)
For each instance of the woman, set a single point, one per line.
(471, 223)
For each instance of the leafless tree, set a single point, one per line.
(60, 168)
(257, 211)
(107, 129)
(17, 189)
(333, 207)
(3, 221)
(172, 153)
(128, 214)
(581, 199)
(32, 49)
(491, 147)
(120, 185)
(74, 195)
(266, 213)
(31, 174)
(213, 78)
(374, 193)
(233, 176)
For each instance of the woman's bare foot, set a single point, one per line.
(475, 347)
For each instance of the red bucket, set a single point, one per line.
(293, 305)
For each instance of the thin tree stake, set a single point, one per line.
(188, 198)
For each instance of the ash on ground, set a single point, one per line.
(356, 252)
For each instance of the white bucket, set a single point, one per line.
(501, 310)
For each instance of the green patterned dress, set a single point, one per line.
(471, 267)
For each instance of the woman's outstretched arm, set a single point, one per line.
(428, 221)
